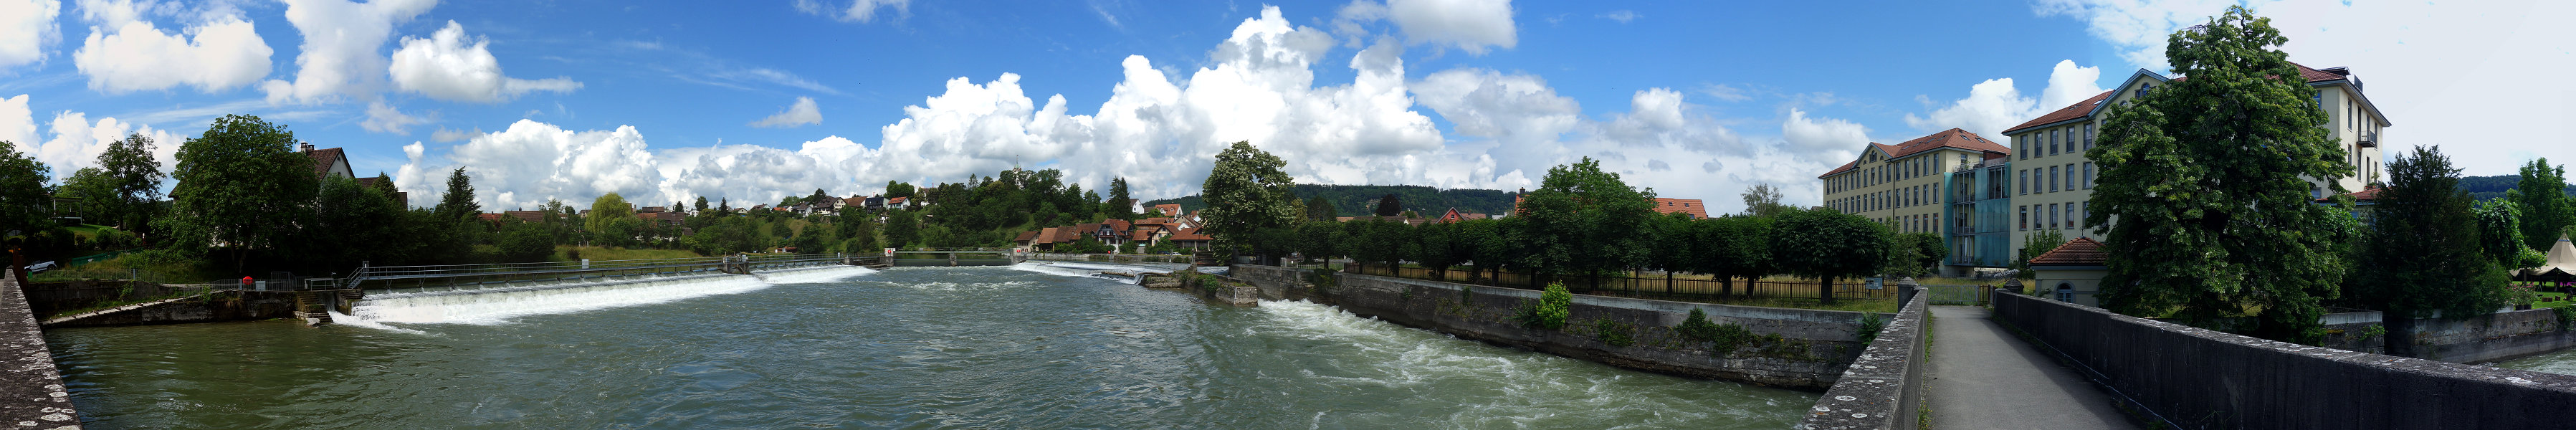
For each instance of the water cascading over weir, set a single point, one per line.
(487, 292)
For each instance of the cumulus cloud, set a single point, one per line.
(26, 26)
(1994, 105)
(125, 53)
(1469, 25)
(857, 11)
(1517, 110)
(1623, 16)
(450, 65)
(447, 135)
(342, 39)
(531, 162)
(17, 122)
(1826, 138)
(383, 118)
(801, 113)
(76, 140)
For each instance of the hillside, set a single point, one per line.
(1353, 200)
(2489, 187)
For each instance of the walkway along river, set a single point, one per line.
(987, 347)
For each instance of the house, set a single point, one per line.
(1454, 216)
(1151, 231)
(527, 216)
(2364, 203)
(1193, 239)
(2052, 179)
(328, 162)
(1693, 207)
(2071, 273)
(826, 204)
(899, 202)
(1168, 210)
(1046, 239)
(1113, 232)
(1912, 187)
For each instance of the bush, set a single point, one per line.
(1614, 333)
(1553, 306)
(1723, 338)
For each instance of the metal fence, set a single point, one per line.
(1649, 286)
(59, 275)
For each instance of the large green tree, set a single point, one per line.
(612, 221)
(902, 228)
(2209, 179)
(241, 186)
(2500, 235)
(1246, 191)
(1585, 220)
(2422, 256)
(1827, 244)
(1763, 200)
(2547, 211)
(124, 190)
(352, 223)
(1733, 247)
(458, 203)
(24, 198)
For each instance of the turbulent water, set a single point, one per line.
(2561, 362)
(848, 348)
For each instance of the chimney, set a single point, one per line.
(308, 146)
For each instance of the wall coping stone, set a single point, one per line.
(32, 394)
(1878, 390)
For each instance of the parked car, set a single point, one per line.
(40, 267)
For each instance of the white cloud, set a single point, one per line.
(17, 122)
(1994, 105)
(1824, 138)
(1469, 25)
(446, 135)
(2444, 72)
(1517, 110)
(125, 53)
(383, 118)
(26, 26)
(801, 113)
(857, 11)
(530, 162)
(342, 39)
(1623, 16)
(449, 65)
(77, 142)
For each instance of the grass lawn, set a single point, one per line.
(604, 253)
(2562, 301)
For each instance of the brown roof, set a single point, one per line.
(323, 158)
(529, 216)
(2073, 111)
(1952, 138)
(1191, 235)
(488, 216)
(1169, 209)
(2082, 251)
(1025, 236)
(2366, 194)
(651, 209)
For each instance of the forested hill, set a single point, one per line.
(1355, 200)
(2488, 187)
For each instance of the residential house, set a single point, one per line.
(1453, 216)
(1167, 210)
(2053, 179)
(1193, 239)
(527, 216)
(2072, 273)
(1693, 207)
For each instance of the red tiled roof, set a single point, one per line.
(2082, 251)
(2073, 111)
(529, 216)
(2367, 194)
(488, 216)
(1025, 236)
(1688, 206)
(1952, 138)
(1191, 235)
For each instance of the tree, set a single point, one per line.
(612, 221)
(126, 187)
(240, 185)
(2032, 246)
(702, 204)
(1389, 206)
(902, 229)
(1763, 200)
(524, 242)
(2547, 210)
(1676, 246)
(351, 224)
(458, 204)
(2209, 178)
(898, 189)
(1318, 209)
(1734, 247)
(2500, 235)
(1585, 220)
(1915, 254)
(1120, 204)
(1319, 239)
(1246, 191)
(2422, 256)
(24, 199)
(1431, 248)
(1827, 244)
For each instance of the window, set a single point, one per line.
(2143, 88)
(2022, 186)
(2088, 175)
(2052, 142)
(2070, 176)
(2052, 215)
(2021, 146)
(2052, 178)
(2084, 211)
(2025, 218)
(2070, 216)
(2088, 136)
(2315, 192)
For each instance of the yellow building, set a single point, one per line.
(1903, 185)
(2053, 180)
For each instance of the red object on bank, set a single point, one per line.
(245, 281)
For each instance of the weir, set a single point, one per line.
(493, 304)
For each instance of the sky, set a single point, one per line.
(753, 101)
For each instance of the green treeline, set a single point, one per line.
(1362, 200)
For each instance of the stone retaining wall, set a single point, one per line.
(2196, 378)
(1814, 346)
(47, 297)
(218, 306)
(31, 394)
(1883, 388)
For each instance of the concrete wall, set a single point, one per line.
(1816, 344)
(219, 306)
(31, 393)
(2197, 378)
(1883, 388)
(47, 297)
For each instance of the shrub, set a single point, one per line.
(1870, 323)
(1614, 333)
(1723, 338)
(1553, 306)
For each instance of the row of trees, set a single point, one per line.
(1581, 220)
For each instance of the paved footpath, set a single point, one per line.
(1985, 378)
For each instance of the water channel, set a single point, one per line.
(989, 347)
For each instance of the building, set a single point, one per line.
(1454, 216)
(1980, 223)
(1168, 210)
(2071, 273)
(1907, 185)
(2053, 179)
(1693, 207)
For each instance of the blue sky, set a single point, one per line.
(665, 101)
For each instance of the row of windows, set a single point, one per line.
(2048, 179)
(1906, 197)
(2054, 215)
(2053, 141)
(1884, 173)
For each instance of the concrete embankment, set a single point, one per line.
(218, 306)
(32, 395)
(1883, 388)
(2197, 378)
(2486, 338)
(1795, 348)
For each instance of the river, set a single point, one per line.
(925, 348)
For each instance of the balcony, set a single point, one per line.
(2369, 139)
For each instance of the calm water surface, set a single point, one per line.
(906, 348)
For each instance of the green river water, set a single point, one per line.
(847, 348)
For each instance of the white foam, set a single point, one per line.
(499, 305)
(814, 275)
(1070, 271)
